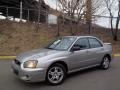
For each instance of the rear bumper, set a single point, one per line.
(31, 75)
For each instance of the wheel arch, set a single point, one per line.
(60, 62)
(109, 56)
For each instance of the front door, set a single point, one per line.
(79, 54)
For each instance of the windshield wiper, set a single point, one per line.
(48, 48)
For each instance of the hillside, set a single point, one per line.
(20, 37)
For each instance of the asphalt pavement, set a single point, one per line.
(90, 79)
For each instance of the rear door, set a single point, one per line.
(96, 51)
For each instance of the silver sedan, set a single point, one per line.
(63, 56)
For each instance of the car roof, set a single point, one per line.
(80, 36)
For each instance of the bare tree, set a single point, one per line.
(73, 9)
(76, 9)
(93, 7)
(89, 15)
(117, 22)
(80, 12)
(109, 4)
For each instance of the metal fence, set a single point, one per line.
(32, 15)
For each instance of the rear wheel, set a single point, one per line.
(105, 63)
(56, 74)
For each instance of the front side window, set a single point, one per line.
(82, 43)
(94, 43)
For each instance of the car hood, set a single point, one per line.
(38, 53)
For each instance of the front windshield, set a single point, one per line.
(62, 43)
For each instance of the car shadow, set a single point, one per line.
(82, 72)
(70, 76)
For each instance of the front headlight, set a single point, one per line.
(30, 64)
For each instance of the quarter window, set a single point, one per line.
(94, 43)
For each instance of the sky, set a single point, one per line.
(51, 3)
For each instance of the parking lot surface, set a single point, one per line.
(91, 79)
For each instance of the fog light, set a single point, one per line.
(25, 77)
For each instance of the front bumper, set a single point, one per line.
(30, 75)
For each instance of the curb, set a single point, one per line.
(13, 57)
(116, 55)
(7, 57)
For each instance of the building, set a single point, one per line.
(30, 9)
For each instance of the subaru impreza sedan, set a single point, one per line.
(65, 55)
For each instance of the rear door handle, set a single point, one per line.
(101, 49)
(88, 51)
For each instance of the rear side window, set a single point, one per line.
(94, 43)
(83, 43)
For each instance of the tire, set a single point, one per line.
(56, 74)
(105, 63)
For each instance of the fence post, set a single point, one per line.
(47, 14)
(21, 6)
(39, 11)
(6, 12)
(28, 15)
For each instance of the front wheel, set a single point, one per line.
(56, 74)
(105, 63)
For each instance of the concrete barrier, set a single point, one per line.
(7, 57)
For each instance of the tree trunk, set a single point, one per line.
(71, 27)
(58, 29)
(117, 24)
(89, 27)
(115, 38)
(111, 23)
(116, 30)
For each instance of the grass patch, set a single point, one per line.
(16, 38)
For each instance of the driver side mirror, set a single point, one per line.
(75, 48)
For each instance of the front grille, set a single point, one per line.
(17, 62)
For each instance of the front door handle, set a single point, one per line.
(101, 49)
(88, 51)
